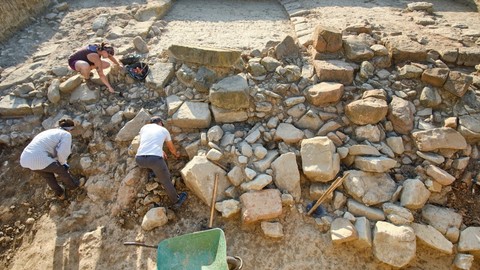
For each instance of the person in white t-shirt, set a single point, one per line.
(150, 155)
(47, 155)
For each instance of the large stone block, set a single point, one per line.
(439, 138)
(12, 106)
(326, 39)
(230, 93)
(286, 174)
(160, 74)
(357, 49)
(470, 240)
(71, 84)
(152, 10)
(288, 133)
(199, 176)
(366, 111)
(432, 238)
(403, 49)
(83, 94)
(132, 127)
(359, 209)
(400, 113)
(320, 162)
(374, 164)
(261, 205)
(469, 127)
(205, 56)
(441, 218)
(192, 115)
(435, 76)
(228, 116)
(414, 194)
(155, 217)
(369, 188)
(19, 76)
(334, 71)
(469, 56)
(394, 245)
(458, 83)
(287, 48)
(364, 232)
(324, 93)
(342, 230)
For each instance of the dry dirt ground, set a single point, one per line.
(62, 230)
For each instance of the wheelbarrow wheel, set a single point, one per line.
(234, 263)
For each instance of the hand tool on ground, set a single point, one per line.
(214, 198)
(332, 187)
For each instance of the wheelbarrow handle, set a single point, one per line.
(140, 244)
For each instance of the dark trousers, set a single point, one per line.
(159, 167)
(63, 175)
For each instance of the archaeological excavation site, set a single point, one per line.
(309, 134)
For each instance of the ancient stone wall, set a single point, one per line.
(17, 13)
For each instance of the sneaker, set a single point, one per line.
(82, 181)
(63, 196)
(181, 199)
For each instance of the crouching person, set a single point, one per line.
(150, 155)
(47, 156)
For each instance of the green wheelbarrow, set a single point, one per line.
(205, 250)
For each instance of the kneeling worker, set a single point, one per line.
(47, 155)
(150, 155)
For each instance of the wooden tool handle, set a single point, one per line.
(332, 187)
(214, 198)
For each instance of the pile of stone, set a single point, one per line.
(404, 134)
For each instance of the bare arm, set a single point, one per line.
(172, 149)
(114, 60)
(95, 58)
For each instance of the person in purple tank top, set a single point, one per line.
(89, 58)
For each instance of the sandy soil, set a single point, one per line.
(57, 239)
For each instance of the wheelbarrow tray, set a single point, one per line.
(205, 250)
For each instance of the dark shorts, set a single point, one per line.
(71, 63)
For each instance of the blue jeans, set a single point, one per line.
(159, 167)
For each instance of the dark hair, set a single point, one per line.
(106, 47)
(156, 120)
(65, 123)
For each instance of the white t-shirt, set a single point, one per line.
(152, 137)
(47, 147)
